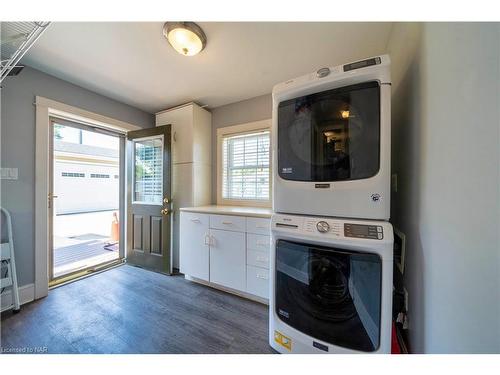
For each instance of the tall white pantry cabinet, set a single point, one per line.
(191, 161)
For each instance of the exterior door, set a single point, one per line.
(148, 232)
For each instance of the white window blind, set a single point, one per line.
(148, 171)
(246, 172)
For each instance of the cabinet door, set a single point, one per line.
(227, 259)
(181, 120)
(194, 247)
(182, 196)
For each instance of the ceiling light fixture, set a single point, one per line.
(344, 114)
(187, 38)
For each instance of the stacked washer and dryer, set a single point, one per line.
(332, 244)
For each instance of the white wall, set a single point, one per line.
(446, 136)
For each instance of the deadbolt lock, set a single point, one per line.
(165, 211)
(165, 200)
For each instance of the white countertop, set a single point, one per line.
(231, 210)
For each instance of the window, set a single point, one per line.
(71, 174)
(148, 174)
(245, 165)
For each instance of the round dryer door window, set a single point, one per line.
(330, 294)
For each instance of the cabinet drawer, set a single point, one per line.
(258, 225)
(257, 258)
(227, 222)
(258, 281)
(258, 242)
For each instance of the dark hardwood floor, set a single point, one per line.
(131, 310)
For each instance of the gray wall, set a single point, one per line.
(255, 109)
(446, 128)
(18, 147)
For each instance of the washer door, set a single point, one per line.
(329, 294)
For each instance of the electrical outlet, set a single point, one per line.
(406, 299)
(394, 182)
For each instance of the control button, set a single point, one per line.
(322, 226)
(323, 72)
(379, 229)
(380, 236)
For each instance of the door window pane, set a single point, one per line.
(330, 294)
(148, 174)
(330, 136)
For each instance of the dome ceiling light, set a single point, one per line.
(187, 38)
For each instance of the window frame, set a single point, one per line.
(241, 129)
(132, 189)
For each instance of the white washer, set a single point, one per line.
(332, 141)
(331, 285)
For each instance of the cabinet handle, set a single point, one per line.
(212, 241)
(262, 259)
(261, 226)
(195, 220)
(227, 222)
(207, 239)
(263, 277)
(263, 243)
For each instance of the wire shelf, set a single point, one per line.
(16, 38)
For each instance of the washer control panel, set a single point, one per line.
(326, 226)
(374, 232)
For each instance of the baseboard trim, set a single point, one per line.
(239, 293)
(26, 294)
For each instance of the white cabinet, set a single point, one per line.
(194, 240)
(228, 222)
(191, 132)
(227, 258)
(258, 281)
(221, 250)
(191, 128)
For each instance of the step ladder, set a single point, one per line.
(8, 276)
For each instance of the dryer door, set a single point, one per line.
(330, 294)
(330, 136)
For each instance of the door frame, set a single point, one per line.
(121, 188)
(45, 108)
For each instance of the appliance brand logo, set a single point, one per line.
(287, 170)
(284, 313)
(376, 197)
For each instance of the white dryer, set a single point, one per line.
(331, 285)
(332, 141)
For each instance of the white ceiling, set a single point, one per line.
(134, 64)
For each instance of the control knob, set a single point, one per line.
(322, 226)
